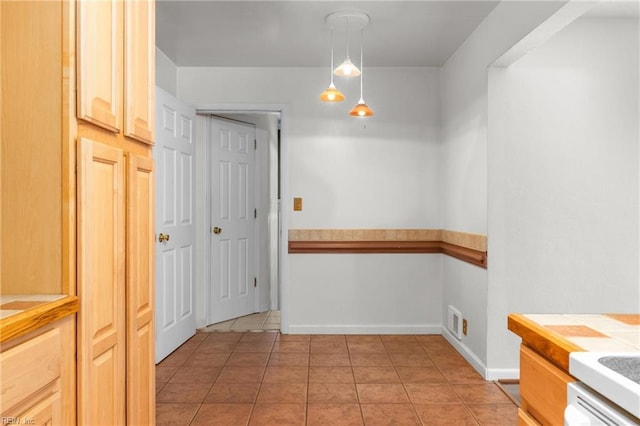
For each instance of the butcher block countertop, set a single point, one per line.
(555, 336)
(20, 314)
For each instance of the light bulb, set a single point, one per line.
(361, 113)
(332, 96)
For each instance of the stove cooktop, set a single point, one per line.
(616, 376)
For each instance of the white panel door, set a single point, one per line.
(175, 231)
(232, 263)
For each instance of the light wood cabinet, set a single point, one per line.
(36, 223)
(124, 211)
(116, 326)
(77, 96)
(101, 284)
(139, 66)
(100, 45)
(36, 371)
(37, 210)
(140, 294)
(116, 110)
(543, 387)
(116, 63)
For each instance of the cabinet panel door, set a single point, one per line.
(101, 280)
(543, 387)
(139, 22)
(100, 59)
(140, 292)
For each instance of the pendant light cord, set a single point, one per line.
(347, 18)
(331, 69)
(361, 60)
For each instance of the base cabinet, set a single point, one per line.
(543, 387)
(37, 375)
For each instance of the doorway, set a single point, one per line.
(237, 276)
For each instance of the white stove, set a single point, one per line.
(610, 390)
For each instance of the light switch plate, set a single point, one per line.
(297, 204)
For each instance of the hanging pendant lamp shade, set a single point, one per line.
(347, 68)
(331, 94)
(361, 109)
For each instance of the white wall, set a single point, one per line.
(563, 179)
(381, 172)
(166, 72)
(464, 159)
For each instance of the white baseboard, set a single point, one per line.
(503, 373)
(366, 329)
(476, 363)
(264, 308)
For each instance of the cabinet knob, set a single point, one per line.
(217, 230)
(163, 237)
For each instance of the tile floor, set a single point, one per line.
(266, 378)
(261, 321)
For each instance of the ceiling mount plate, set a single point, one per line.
(356, 18)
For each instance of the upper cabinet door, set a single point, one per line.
(100, 59)
(139, 22)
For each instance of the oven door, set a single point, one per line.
(586, 408)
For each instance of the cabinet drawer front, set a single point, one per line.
(524, 419)
(29, 367)
(543, 387)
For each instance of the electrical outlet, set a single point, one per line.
(464, 327)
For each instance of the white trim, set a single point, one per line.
(476, 363)
(366, 329)
(502, 373)
(283, 109)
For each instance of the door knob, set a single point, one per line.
(163, 237)
(217, 230)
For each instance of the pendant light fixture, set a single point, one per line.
(346, 68)
(331, 94)
(361, 109)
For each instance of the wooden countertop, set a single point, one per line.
(555, 336)
(21, 315)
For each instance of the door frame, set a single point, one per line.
(203, 205)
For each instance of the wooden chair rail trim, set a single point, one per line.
(475, 257)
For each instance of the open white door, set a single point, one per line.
(232, 263)
(175, 231)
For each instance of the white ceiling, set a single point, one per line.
(293, 34)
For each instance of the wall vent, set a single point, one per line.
(454, 322)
